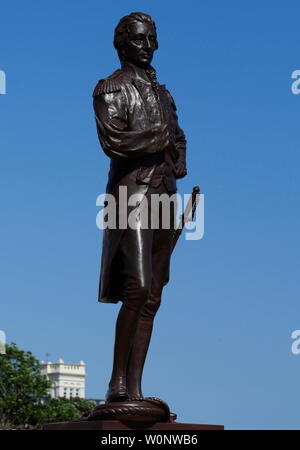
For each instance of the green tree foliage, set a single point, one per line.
(24, 397)
(22, 387)
(62, 409)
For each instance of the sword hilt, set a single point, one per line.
(192, 205)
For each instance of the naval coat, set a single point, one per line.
(138, 130)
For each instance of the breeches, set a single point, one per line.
(144, 259)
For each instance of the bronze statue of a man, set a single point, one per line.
(138, 129)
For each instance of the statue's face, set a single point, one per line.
(140, 43)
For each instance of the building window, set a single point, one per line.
(77, 392)
(65, 392)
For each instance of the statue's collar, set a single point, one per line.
(136, 72)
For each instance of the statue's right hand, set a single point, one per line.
(166, 140)
(160, 130)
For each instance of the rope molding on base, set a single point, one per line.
(110, 409)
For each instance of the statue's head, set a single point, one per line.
(135, 39)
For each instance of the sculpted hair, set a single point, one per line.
(122, 29)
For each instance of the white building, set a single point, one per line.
(68, 380)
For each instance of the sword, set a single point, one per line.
(185, 217)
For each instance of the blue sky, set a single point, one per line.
(221, 350)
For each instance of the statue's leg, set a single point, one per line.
(161, 254)
(125, 331)
(133, 252)
(140, 347)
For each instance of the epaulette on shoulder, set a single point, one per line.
(113, 83)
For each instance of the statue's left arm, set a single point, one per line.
(180, 143)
